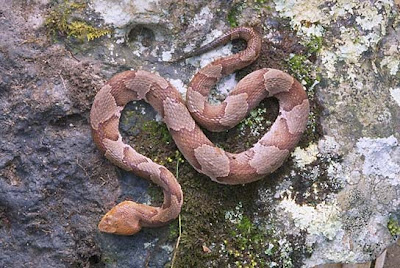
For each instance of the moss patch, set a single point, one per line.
(60, 21)
(234, 13)
(249, 245)
(301, 66)
(236, 10)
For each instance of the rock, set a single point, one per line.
(329, 203)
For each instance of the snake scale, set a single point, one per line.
(262, 158)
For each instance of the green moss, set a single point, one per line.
(237, 9)
(250, 245)
(173, 230)
(255, 121)
(246, 245)
(301, 68)
(158, 131)
(59, 22)
(393, 226)
(314, 45)
(261, 4)
(234, 13)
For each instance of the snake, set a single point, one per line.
(183, 120)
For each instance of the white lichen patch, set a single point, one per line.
(235, 216)
(320, 221)
(328, 146)
(203, 17)
(179, 85)
(167, 248)
(371, 172)
(351, 49)
(395, 93)
(313, 18)
(391, 59)
(300, 12)
(227, 84)
(167, 55)
(392, 63)
(140, 50)
(303, 157)
(150, 244)
(120, 13)
(381, 158)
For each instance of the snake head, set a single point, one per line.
(121, 219)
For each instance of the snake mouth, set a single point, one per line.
(106, 225)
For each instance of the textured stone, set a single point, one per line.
(55, 185)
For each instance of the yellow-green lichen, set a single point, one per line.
(393, 226)
(80, 30)
(59, 21)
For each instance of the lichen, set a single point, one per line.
(322, 220)
(381, 157)
(391, 62)
(303, 157)
(393, 226)
(120, 13)
(395, 93)
(351, 43)
(59, 21)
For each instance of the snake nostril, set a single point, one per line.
(141, 34)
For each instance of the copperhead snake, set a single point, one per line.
(262, 158)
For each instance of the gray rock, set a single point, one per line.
(329, 203)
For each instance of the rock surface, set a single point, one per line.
(330, 202)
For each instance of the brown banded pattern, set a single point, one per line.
(261, 159)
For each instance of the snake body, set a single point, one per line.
(262, 158)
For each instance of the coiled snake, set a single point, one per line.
(262, 158)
